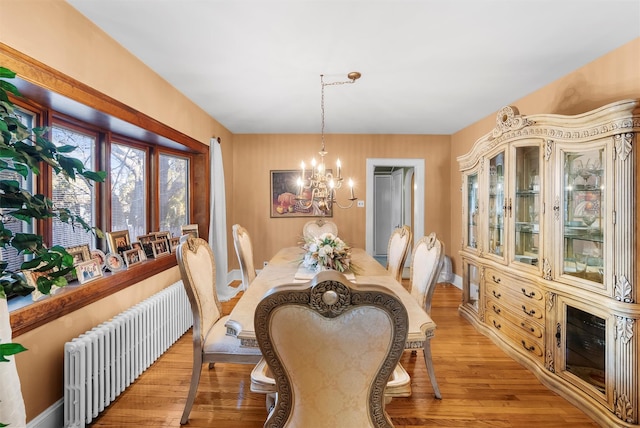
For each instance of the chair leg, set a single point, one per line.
(211, 365)
(193, 388)
(429, 362)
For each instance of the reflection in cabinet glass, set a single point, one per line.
(584, 186)
(527, 205)
(497, 204)
(473, 212)
(585, 347)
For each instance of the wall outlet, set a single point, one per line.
(264, 264)
(360, 204)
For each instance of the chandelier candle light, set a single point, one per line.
(320, 187)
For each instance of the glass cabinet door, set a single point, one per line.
(471, 286)
(526, 206)
(473, 210)
(497, 205)
(582, 214)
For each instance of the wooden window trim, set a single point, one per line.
(56, 91)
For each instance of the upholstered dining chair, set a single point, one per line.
(315, 228)
(331, 347)
(399, 243)
(210, 341)
(244, 251)
(426, 263)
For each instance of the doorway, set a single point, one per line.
(396, 200)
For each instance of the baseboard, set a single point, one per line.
(52, 417)
(457, 281)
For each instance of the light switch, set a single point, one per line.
(360, 204)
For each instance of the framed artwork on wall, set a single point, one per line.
(284, 191)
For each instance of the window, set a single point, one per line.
(79, 195)
(173, 172)
(128, 189)
(10, 254)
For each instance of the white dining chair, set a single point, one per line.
(331, 350)
(211, 343)
(399, 243)
(426, 262)
(244, 251)
(315, 228)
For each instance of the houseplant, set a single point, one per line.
(22, 152)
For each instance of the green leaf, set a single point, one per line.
(5, 73)
(7, 349)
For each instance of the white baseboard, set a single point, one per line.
(52, 417)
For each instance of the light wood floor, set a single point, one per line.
(481, 387)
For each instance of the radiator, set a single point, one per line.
(101, 363)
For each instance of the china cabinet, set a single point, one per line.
(549, 251)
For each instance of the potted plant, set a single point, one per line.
(22, 152)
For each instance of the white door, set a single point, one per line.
(397, 204)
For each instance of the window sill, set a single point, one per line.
(76, 296)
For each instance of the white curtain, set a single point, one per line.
(218, 223)
(12, 409)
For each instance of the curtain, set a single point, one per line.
(218, 223)
(12, 409)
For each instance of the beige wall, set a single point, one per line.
(614, 76)
(52, 32)
(255, 155)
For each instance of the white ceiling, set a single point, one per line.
(428, 67)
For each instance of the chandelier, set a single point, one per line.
(317, 187)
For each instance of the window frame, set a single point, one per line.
(56, 93)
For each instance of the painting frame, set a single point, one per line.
(160, 247)
(284, 190)
(118, 241)
(132, 257)
(145, 242)
(88, 271)
(190, 229)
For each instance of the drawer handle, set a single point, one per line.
(529, 295)
(496, 325)
(496, 310)
(531, 329)
(496, 295)
(531, 313)
(496, 280)
(528, 348)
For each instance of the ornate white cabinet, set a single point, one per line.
(549, 250)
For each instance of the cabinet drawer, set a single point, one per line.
(519, 339)
(522, 306)
(515, 287)
(527, 325)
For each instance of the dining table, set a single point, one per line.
(285, 268)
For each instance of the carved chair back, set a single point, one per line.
(399, 243)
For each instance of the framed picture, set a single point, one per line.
(100, 257)
(190, 229)
(132, 257)
(164, 235)
(138, 246)
(174, 243)
(115, 262)
(88, 271)
(80, 254)
(119, 241)
(285, 189)
(145, 242)
(160, 247)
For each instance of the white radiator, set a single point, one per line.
(102, 362)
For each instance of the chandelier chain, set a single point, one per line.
(323, 84)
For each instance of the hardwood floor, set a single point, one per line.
(481, 387)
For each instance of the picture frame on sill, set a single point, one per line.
(100, 257)
(174, 242)
(138, 246)
(190, 229)
(284, 193)
(145, 242)
(118, 241)
(80, 254)
(164, 235)
(160, 248)
(132, 257)
(88, 271)
(115, 262)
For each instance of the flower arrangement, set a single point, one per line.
(326, 251)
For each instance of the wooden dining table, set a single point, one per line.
(284, 267)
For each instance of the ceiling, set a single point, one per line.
(428, 67)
